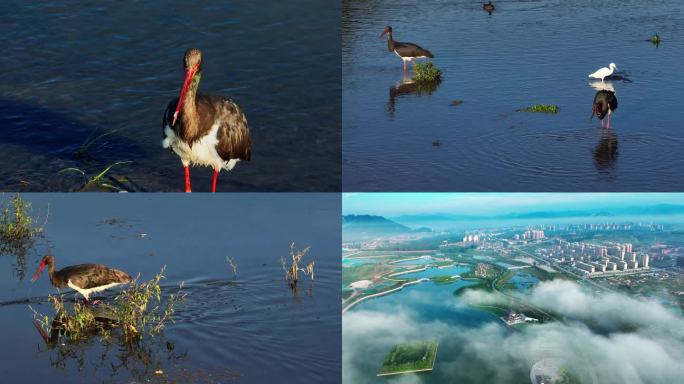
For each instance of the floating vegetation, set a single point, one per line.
(96, 180)
(233, 265)
(541, 108)
(136, 310)
(655, 39)
(292, 271)
(17, 226)
(436, 143)
(456, 103)
(427, 72)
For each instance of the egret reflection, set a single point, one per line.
(602, 85)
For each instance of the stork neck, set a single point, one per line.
(390, 41)
(51, 270)
(189, 109)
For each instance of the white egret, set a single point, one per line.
(604, 72)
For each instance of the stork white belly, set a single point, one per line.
(86, 292)
(409, 58)
(202, 152)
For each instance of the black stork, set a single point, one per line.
(83, 278)
(489, 7)
(204, 129)
(604, 103)
(405, 51)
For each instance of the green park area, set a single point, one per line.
(410, 357)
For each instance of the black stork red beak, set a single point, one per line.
(594, 111)
(189, 75)
(387, 29)
(36, 275)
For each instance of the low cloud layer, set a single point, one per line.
(652, 351)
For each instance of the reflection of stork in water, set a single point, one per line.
(406, 87)
(606, 152)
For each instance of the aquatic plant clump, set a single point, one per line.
(292, 271)
(655, 39)
(134, 311)
(541, 108)
(427, 72)
(132, 307)
(17, 226)
(96, 180)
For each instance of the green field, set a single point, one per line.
(410, 357)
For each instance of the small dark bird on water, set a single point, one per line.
(489, 7)
(204, 129)
(83, 278)
(604, 103)
(405, 51)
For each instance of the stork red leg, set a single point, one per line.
(404, 65)
(187, 179)
(608, 121)
(213, 181)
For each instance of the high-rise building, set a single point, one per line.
(584, 266)
(643, 260)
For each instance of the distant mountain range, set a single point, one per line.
(660, 209)
(357, 227)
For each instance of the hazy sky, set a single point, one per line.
(393, 204)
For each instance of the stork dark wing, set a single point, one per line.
(168, 115)
(411, 50)
(612, 101)
(88, 276)
(234, 141)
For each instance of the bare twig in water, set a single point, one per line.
(232, 265)
(292, 271)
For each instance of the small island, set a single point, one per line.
(409, 358)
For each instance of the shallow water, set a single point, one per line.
(249, 328)
(415, 261)
(71, 70)
(434, 272)
(525, 53)
(523, 281)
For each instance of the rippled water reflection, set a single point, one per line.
(525, 53)
(248, 327)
